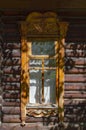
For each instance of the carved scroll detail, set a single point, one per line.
(43, 26)
(42, 112)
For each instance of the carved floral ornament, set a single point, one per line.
(38, 26)
(45, 25)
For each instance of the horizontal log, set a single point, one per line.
(12, 39)
(14, 78)
(75, 70)
(77, 54)
(68, 69)
(41, 119)
(77, 39)
(75, 46)
(15, 34)
(75, 78)
(11, 62)
(81, 61)
(16, 119)
(11, 70)
(76, 30)
(11, 30)
(74, 86)
(11, 95)
(11, 87)
(76, 111)
(14, 19)
(9, 25)
(11, 102)
(75, 94)
(11, 110)
(10, 84)
(74, 118)
(74, 102)
(11, 53)
(11, 119)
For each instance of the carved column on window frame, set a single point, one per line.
(43, 27)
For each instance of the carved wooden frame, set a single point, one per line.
(42, 27)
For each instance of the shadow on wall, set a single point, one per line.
(75, 83)
(75, 64)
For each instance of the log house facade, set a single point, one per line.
(12, 64)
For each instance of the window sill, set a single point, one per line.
(41, 106)
(41, 110)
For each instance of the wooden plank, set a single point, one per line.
(11, 70)
(11, 87)
(11, 62)
(12, 46)
(74, 110)
(11, 119)
(77, 54)
(16, 119)
(16, 78)
(75, 46)
(76, 70)
(74, 119)
(11, 53)
(10, 102)
(11, 110)
(48, 120)
(74, 86)
(9, 25)
(75, 94)
(11, 95)
(77, 61)
(74, 102)
(75, 78)
(12, 39)
(11, 29)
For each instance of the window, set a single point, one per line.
(42, 65)
(42, 72)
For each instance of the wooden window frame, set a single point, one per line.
(42, 27)
(42, 68)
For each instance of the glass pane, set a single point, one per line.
(35, 63)
(50, 63)
(35, 86)
(50, 86)
(43, 48)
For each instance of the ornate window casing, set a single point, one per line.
(36, 31)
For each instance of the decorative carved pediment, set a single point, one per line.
(47, 25)
(43, 27)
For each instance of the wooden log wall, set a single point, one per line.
(11, 71)
(75, 82)
(1, 42)
(75, 75)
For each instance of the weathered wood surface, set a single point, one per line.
(11, 73)
(1, 43)
(75, 75)
(11, 103)
(75, 82)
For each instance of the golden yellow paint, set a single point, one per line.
(42, 27)
(24, 79)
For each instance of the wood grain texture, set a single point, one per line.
(75, 72)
